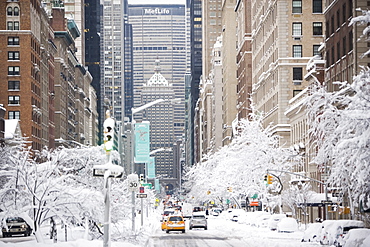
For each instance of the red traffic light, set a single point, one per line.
(141, 189)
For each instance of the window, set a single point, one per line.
(16, 25)
(13, 100)
(338, 19)
(344, 46)
(338, 50)
(317, 28)
(9, 25)
(296, 92)
(14, 85)
(297, 29)
(13, 70)
(344, 13)
(13, 40)
(13, 55)
(13, 115)
(316, 50)
(16, 11)
(297, 6)
(9, 11)
(13, 25)
(297, 51)
(297, 74)
(317, 6)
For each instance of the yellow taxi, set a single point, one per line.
(175, 223)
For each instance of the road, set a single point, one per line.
(223, 232)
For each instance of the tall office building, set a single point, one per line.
(112, 58)
(161, 117)
(92, 47)
(195, 72)
(159, 32)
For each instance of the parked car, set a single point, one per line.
(263, 220)
(16, 226)
(175, 223)
(198, 220)
(355, 238)
(236, 213)
(332, 230)
(274, 220)
(252, 217)
(287, 225)
(168, 212)
(312, 233)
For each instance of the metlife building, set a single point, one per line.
(159, 32)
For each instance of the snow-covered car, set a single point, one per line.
(198, 220)
(263, 220)
(274, 220)
(312, 233)
(287, 225)
(216, 211)
(236, 213)
(355, 238)
(15, 226)
(332, 230)
(252, 217)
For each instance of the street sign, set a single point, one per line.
(326, 202)
(133, 182)
(141, 195)
(115, 170)
(147, 185)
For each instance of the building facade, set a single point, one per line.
(280, 52)
(162, 129)
(159, 32)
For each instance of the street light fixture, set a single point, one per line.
(133, 111)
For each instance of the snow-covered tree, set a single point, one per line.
(61, 188)
(340, 125)
(240, 166)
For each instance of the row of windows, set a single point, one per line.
(13, 40)
(14, 85)
(342, 15)
(10, 11)
(12, 25)
(13, 55)
(13, 70)
(297, 6)
(13, 100)
(13, 115)
(298, 50)
(297, 28)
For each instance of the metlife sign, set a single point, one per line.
(157, 11)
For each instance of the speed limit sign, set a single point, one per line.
(133, 182)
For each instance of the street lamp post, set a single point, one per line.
(133, 111)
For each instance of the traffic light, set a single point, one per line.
(265, 179)
(108, 134)
(141, 179)
(269, 179)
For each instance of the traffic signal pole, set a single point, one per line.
(312, 179)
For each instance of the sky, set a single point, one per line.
(157, 1)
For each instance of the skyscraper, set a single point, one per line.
(159, 32)
(161, 117)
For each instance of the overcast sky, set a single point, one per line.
(156, 1)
